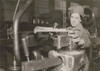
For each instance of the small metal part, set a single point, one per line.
(14, 67)
(35, 54)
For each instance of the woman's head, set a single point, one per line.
(75, 19)
(76, 14)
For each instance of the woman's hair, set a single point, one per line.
(84, 21)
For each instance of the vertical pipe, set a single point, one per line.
(16, 23)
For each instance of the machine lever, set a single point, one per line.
(25, 47)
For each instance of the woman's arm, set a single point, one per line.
(86, 39)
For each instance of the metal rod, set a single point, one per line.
(16, 9)
(16, 22)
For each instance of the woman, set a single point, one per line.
(81, 42)
(79, 38)
(76, 14)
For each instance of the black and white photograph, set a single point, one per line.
(49, 35)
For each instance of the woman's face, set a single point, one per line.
(75, 19)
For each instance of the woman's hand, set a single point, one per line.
(78, 40)
(81, 42)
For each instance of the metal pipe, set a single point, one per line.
(16, 9)
(16, 23)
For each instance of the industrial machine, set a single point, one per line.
(63, 61)
(67, 61)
